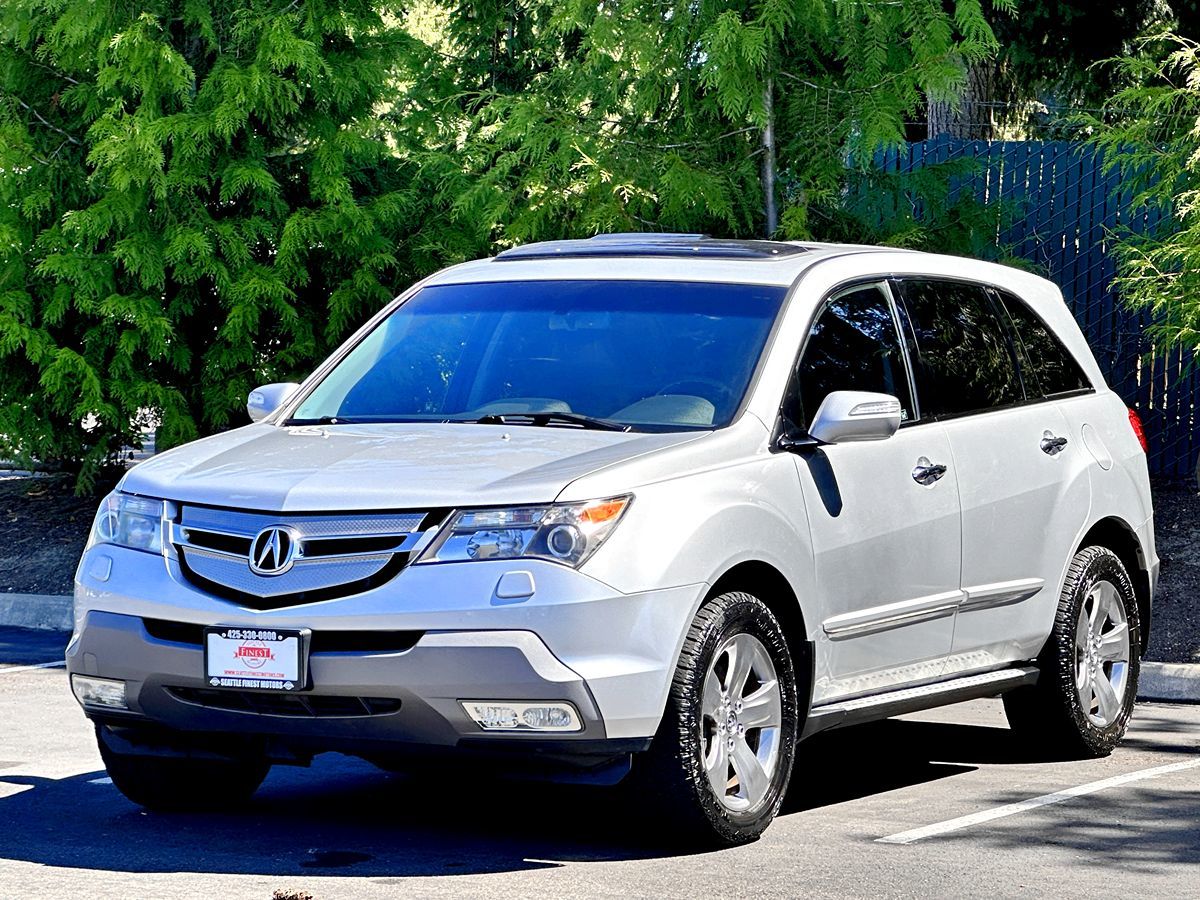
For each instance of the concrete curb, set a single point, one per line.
(1178, 682)
(1169, 681)
(44, 612)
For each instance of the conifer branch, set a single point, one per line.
(684, 145)
(63, 75)
(46, 122)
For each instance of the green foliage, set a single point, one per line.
(1048, 50)
(564, 119)
(933, 208)
(196, 196)
(1149, 132)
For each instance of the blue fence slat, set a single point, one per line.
(1065, 210)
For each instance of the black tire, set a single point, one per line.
(181, 783)
(669, 783)
(1051, 714)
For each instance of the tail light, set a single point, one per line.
(1135, 423)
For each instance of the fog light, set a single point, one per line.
(547, 717)
(494, 716)
(99, 692)
(503, 715)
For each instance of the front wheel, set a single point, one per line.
(719, 766)
(1083, 700)
(180, 783)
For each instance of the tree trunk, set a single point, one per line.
(770, 208)
(972, 117)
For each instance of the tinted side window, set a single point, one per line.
(1049, 367)
(853, 346)
(963, 358)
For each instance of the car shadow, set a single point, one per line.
(344, 816)
(26, 646)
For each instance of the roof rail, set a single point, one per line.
(697, 246)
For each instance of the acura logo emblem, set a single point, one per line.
(273, 550)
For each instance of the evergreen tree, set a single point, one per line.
(1046, 61)
(1148, 130)
(196, 196)
(547, 119)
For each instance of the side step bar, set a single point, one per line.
(895, 703)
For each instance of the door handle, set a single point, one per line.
(1051, 444)
(927, 472)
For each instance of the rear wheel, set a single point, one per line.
(180, 783)
(719, 766)
(1084, 698)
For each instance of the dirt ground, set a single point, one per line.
(1175, 630)
(43, 527)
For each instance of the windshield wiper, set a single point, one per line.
(545, 418)
(323, 420)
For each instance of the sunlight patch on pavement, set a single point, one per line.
(9, 670)
(1012, 809)
(11, 790)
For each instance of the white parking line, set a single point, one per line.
(100, 781)
(1011, 809)
(57, 664)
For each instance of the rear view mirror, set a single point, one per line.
(846, 416)
(266, 399)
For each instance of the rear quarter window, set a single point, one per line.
(1047, 364)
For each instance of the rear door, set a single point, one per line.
(1017, 467)
(886, 546)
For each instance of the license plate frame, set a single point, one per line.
(237, 658)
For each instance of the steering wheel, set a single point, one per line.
(718, 392)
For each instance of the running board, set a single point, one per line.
(895, 703)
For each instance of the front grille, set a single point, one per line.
(303, 706)
(334, 555)
(321, 642)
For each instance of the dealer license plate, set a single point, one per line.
(269, 659)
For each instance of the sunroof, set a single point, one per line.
(699, 246)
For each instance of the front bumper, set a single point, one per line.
(573, 639)
(164, 682)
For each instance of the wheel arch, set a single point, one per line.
(1117, 535)
(772, 587)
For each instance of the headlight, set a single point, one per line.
(567, 532)
(128, 521)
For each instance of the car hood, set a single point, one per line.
(395, 466)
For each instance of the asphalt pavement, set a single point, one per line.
(940, 804)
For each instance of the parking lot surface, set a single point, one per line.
(941, 804)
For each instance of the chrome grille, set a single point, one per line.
(251, 523)
(334, 555)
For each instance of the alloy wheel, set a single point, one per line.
(1102, 654)
(742, 716)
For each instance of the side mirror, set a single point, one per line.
(855, 416)
(265, 400)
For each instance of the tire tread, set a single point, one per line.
(1050, 712)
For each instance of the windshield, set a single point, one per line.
(649, 355)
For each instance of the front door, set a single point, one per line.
(884, 516)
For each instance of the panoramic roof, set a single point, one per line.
(693, 246)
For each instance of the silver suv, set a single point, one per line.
(642, 508)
